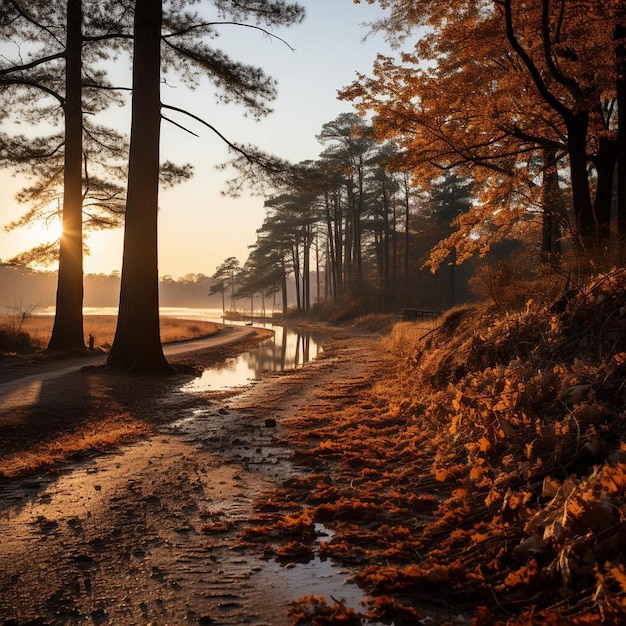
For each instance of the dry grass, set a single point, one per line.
(94, 436)
(102, 327)
(405, 337)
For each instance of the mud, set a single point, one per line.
(147, 534)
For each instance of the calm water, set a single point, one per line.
(209, 315)
(288, 349)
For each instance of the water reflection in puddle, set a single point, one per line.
(288, 349)
(319, 577)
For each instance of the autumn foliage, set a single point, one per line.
(480, 471)
(517, 95)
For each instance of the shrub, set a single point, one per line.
(15, 340)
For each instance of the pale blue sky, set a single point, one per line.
(198, 227)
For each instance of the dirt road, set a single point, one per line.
(147, 534)
(18, 388)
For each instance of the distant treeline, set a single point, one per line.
(23, 287)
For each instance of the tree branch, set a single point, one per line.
(230, 144)
(106, 87)
(28, 66)
(22, 13)
(107, 36)
(546, 94)
(30, 83)
(570, 84)
(266, 32)
(167, 119)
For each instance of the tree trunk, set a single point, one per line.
(577, 147)
(453, 277)
(67, 332)
(394, 239)
(295, 258)
(283, 288)
(137, 343)
(339, 236)
(378, 247)
(306, 269)
(385, 234)
(331, 271)
(620, 52)
(358, 226)
(233, 305)
(407, 215)
(549, 199)
(349, 233)
(605, 168)
(317, 268)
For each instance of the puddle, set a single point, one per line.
(320, 577)
(288, 349)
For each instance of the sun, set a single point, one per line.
(51, 229)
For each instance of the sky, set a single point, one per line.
(198, 226)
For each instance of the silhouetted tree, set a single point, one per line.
(140, 350)
(56, 68)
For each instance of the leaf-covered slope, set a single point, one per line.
(483, 472)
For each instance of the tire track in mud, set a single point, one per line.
(120, 541)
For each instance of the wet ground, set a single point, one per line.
(147, 534)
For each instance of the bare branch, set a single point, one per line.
(106, 87)
(167, 119)
(266, 32)
(108, 36)
(229, 143)
(543, 89)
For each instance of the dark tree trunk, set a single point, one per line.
(331, 271)
(385, 234)
(605, 168)
(576, 121)
(577, 125)
(317, 269)
(452, 264)
(295, 258)
(349, 233)
(283, 288)
(620, 34)
(137, 343)
(306, 269)
(549, 200)
(339, 236)
(67, 332)
(394, 239)
(407, 206)
(358, 226)
(378, 247)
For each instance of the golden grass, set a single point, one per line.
(102, 327)
(95, 436)
(405, 337)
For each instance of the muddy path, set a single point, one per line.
(147, 534)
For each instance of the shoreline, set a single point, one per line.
(50, 408)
